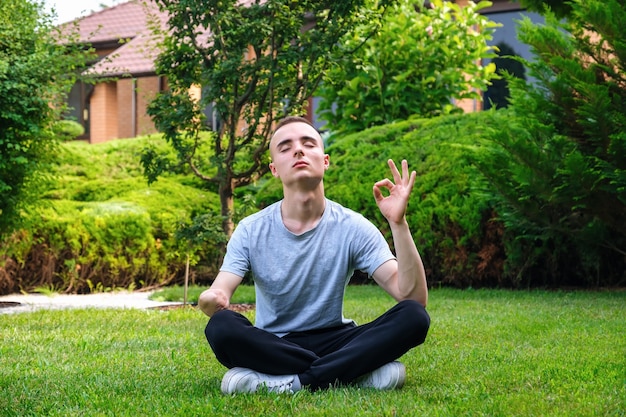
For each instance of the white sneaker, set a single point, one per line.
(247, 380)
(387, 377)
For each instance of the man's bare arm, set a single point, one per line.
(217, 297)
(406, 278)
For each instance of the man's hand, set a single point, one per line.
(404, 278)
(213, 300)
(218, 296)
(393, 207)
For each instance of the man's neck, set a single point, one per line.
(302, 211)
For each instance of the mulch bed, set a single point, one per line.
(240, 308)
(235, 307)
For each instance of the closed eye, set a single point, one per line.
(287, 144)
(309, 142)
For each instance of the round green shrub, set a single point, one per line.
(67, 130)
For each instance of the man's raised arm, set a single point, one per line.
(406, 278)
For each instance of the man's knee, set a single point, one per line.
(416, 319)
(221, 325)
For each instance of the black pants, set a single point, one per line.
(322, 357)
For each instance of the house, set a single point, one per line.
(124, 41)
(116, 105)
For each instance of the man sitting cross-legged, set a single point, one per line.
(301, 252)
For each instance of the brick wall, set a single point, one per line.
(147, 89)
(125, 112)
(103, 112)
(120, 109)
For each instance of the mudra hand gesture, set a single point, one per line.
(393, 206)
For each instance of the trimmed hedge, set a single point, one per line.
(103, 227)
(454, 226)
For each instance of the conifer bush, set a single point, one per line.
(559, 164)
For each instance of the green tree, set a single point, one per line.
(560, 163)
(36, 69)
(417, 62)
(256, 63)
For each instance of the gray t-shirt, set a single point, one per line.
(300, 279)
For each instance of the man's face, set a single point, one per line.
(297, 153)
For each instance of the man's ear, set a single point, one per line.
(273, 169)
(326, 161)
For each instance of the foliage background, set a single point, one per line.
(37, 66)
(104, 227)
(416, 62)
(527, 196)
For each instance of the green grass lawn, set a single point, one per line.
(489, 352)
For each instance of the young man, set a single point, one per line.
(302, 251)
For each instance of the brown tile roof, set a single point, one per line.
(134, 58)
(127, 28)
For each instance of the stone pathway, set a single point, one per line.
(18, 303)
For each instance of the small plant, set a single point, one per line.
(48, 290)
(243, 295)
(97, 287)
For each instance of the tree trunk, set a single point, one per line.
(226, 205)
